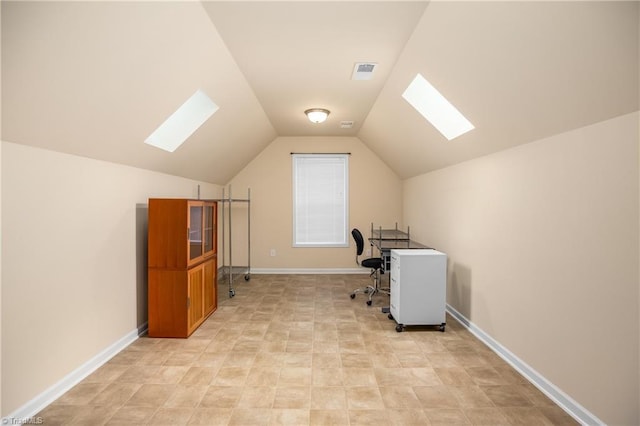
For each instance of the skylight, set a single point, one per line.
(183, 122)
(436, 108)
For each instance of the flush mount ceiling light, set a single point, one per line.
(317, 115)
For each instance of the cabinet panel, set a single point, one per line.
(195, 299)
(210, 286)
(167, 296)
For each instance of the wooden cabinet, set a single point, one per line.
(182, 265)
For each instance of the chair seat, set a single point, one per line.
(373, 262)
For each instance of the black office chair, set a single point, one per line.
(374, 263)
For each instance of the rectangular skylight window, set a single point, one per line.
(182, 123)
(436, 108)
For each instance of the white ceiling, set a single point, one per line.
(96, 78)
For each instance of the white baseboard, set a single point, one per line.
(564, 401)
(37, 404)
(294, 271)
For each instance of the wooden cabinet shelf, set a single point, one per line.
(182, 265)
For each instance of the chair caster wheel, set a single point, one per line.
(399, 328)
(390, 316)
(369, 302)
(232, 293)
(352, 295)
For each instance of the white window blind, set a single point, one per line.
(320, 200)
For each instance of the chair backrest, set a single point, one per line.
(357, 236)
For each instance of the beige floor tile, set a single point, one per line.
(367, 417)
(221, 397)
(297, 397)
(485, 376)
(394, 376)
(407, 417)
(446, 417)
(171, 416)
(327, 377)
(295, 376)
(486, 417)
(436, 397)
(325, 360)
(263, 376)
(257, 397)
(59, 414)
(115, 394)
(400, 397)
(186, 396)
(239, 359)
(131, 415)
(106, 374)
(181, 359)
(92, 415)
(364, 398)
(198, 376)
(507, 396)
(81, 394)
(384, 360)
(151, 395)
(285, 416)
(210, 416)
(212, 360)
(456, 376)
(303, 359)
(250, 416)
(231, 376)
(471, 396)
(523, 416)
(328, 417)
(328, 398)
(359, 377)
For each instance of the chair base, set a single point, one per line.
(371, 289)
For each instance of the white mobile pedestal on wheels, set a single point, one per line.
(418, 288)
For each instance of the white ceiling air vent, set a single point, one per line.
(363, 70)
(346, 124)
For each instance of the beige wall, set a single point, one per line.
(74, 261)
(0, 224)
(374, 196)
(543, 256)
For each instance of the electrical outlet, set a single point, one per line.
(272, 252)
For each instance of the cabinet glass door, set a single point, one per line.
(195, 231)
(209, 224)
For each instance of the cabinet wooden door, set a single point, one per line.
(210, 287)
(195, 297)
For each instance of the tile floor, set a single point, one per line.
(296, 350)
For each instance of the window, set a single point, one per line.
(436, 108)
(183, 122)
(320, 200)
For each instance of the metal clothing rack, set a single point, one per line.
(227, 203)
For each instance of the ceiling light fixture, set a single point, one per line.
(317, 115)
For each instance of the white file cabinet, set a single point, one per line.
(418, 288)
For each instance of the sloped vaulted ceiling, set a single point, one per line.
(96, 78)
